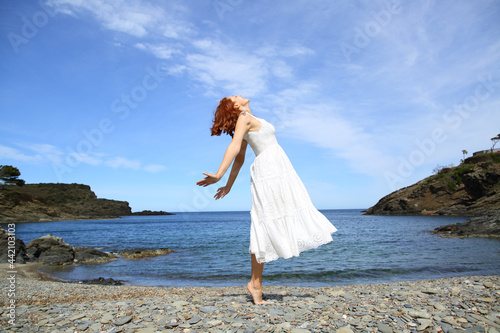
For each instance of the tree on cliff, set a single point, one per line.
(495, 140)
(465, 152)
(9, 175)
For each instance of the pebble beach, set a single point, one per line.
(463, 304)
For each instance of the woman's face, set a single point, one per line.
(239, 100)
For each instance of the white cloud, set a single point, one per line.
(174, 30)
(85, 158)
(320, 125)
(160, 51)
(293, 51)
(8, 153)
(270, 51)
(132, 17)
(175, 70)
(45, 153)
(121, 162)
(232, 70)
(203, 44)
(49, 152)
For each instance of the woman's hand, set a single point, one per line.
(221, 192)
(208, 180)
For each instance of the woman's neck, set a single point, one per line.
(246, 108)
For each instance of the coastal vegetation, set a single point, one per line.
(9, 175)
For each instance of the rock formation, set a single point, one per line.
(56, 202)
(470, 189)
(143, 253)
(84, 255)
(50, 250)
(481, 226)
(151, 213)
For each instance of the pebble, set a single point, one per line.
(208, 309)
(468, 304)
(300, 330)
(106, 319)
(384, 328)
(123, 320)
(419, 314)
(423, 324)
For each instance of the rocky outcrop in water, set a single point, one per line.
(482, 226)
(143, 253)
(151, 213)
(56, 202)
(102, 281)
(52, 250)
(85, 255)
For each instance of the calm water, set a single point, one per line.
(212, 250)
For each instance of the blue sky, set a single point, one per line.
(366, 96)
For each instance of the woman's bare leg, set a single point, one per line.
(255, 284)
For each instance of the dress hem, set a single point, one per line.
(292, 256)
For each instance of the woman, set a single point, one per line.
(284, 221)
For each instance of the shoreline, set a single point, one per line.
(76, 219)
(448, 304)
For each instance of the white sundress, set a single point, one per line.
(284, 221)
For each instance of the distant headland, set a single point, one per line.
(469, 189)
(59, 202)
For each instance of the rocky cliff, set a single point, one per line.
(470, 189)
(56, 202)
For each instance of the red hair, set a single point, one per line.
(225, 117)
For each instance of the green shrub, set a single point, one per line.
(461, 170)
(441, 176)
(442, 169)
(452, 186)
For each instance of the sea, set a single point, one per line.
(211, 249)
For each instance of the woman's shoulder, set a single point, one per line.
(245, 117)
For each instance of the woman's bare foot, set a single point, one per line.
(256, 293)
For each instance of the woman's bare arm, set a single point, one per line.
(232, 151)
(235, 169)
